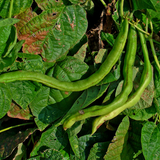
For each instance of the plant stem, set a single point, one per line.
(130, 4)
(146, 24)
(103, 3)
(156, 41)
(121, 8)
(10, 9)
(154, 53)
(137, 154)
(19, 125)
(139, 28)
(151, 25)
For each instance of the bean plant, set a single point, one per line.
(60, 98)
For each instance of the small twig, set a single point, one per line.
(103, 3)
(156, 41)
(154, 53)
(135, 25)
(19, 125)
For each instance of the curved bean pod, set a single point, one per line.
(80, 85)
(127, 74)
(135, 97)
(122, 97)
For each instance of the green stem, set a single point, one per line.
(139, 28)
(156, 41)
(137, 154)
(156, 119)
(10, 9)
(19, 125)
(130, 4)
(147, 25)
(103, 3)
(121, 8)
(151, 25)
(154, 53)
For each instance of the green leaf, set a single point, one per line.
(81, 44)
(8, 21)
(38, 104)
(81, 54)
(69, 30)
(88, 5)
(53, 103)
(4, 34)
(70, 69)
(53, 138)
(17, 112)
(116, 16)
(54, 31)
(23, 92)
(154, 15)
(18, 7)
(8, 39)
(156, 4)
(5, 99)
(35, 158)
(155, 18)
(21, 152)
(87, 141)
(86, 98)
(101, 56)
(116, 147)
(31, 62)
(10, 140)
(135, 134)
(112, 76)
(98, 151)
(51, 154)
(8, 61)
(108, 37)
(58, 104)
(76, 1)
(151, 141)
(134, 138)
(140, 114)
(112, 87)
(73, 138)
(143, 4)
(82, 146)
(157, 82)
(47, 5)
(11, 41)
(143, 110)
(65, 154)
(156, 104)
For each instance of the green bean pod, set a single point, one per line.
(135, 97)
(80, 85)
(99, 110)
(127, 74)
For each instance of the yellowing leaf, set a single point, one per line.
(53, 32)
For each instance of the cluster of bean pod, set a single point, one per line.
(123, 100)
